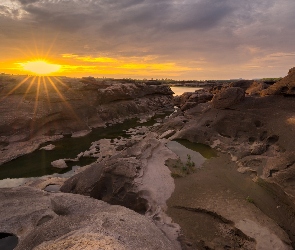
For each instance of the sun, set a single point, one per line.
(40, 67)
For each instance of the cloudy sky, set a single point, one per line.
(178, 39)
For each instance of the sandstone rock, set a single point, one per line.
(44, 220)
(130, 91)
(59, 164)
(167, 134)
(228, 97)
(256, 87)
(285, 86)
(135, 177)
(191, 99)
(113, 180)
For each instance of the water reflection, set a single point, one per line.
(38, 163)
(181, 90)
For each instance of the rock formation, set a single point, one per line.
(256, 133)
(191, 99)
(228, 97)
(44, 220)
(34, 110)
(285, 86)
(119, 179)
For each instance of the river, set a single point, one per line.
(181, 90)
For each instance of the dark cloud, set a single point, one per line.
(24, 2)
(224, 32)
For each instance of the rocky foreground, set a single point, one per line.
(242, 199)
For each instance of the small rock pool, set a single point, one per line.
(191, 156)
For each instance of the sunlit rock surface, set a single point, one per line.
(285, 86)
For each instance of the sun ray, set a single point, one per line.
(15, 88)
(64, 99)
(36, 104)
(37, 97)
(36, 47)
(29, 87)
(46, 92)
(51, 45)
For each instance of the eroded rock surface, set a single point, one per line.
(120, 177)
(256, 133)
(44, 220)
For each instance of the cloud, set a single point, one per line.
(203, 33)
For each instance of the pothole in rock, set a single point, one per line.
(8, 241)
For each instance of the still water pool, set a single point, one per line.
(197, 152)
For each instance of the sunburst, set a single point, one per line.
(40, 67)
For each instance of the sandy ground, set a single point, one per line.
(219, 208)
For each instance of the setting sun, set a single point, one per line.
(40, 67)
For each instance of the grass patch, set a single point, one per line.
(179, 168)
(250, 200)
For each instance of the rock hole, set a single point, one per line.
(59, 208)
(272, 139)
(4, 144)
(272, 171)
(258, 123)
(8, 241)
(251, 140)
(284, 90)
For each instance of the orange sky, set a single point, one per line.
(200, 39)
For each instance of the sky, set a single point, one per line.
(159, 39)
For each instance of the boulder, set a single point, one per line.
(228, 97)
(59, 164)
(256, 87)
(191, 99)
(46, 221)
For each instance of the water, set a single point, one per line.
(181, 90)
(38, 163)
(197, 152)
(8, 241)
(205, 150)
